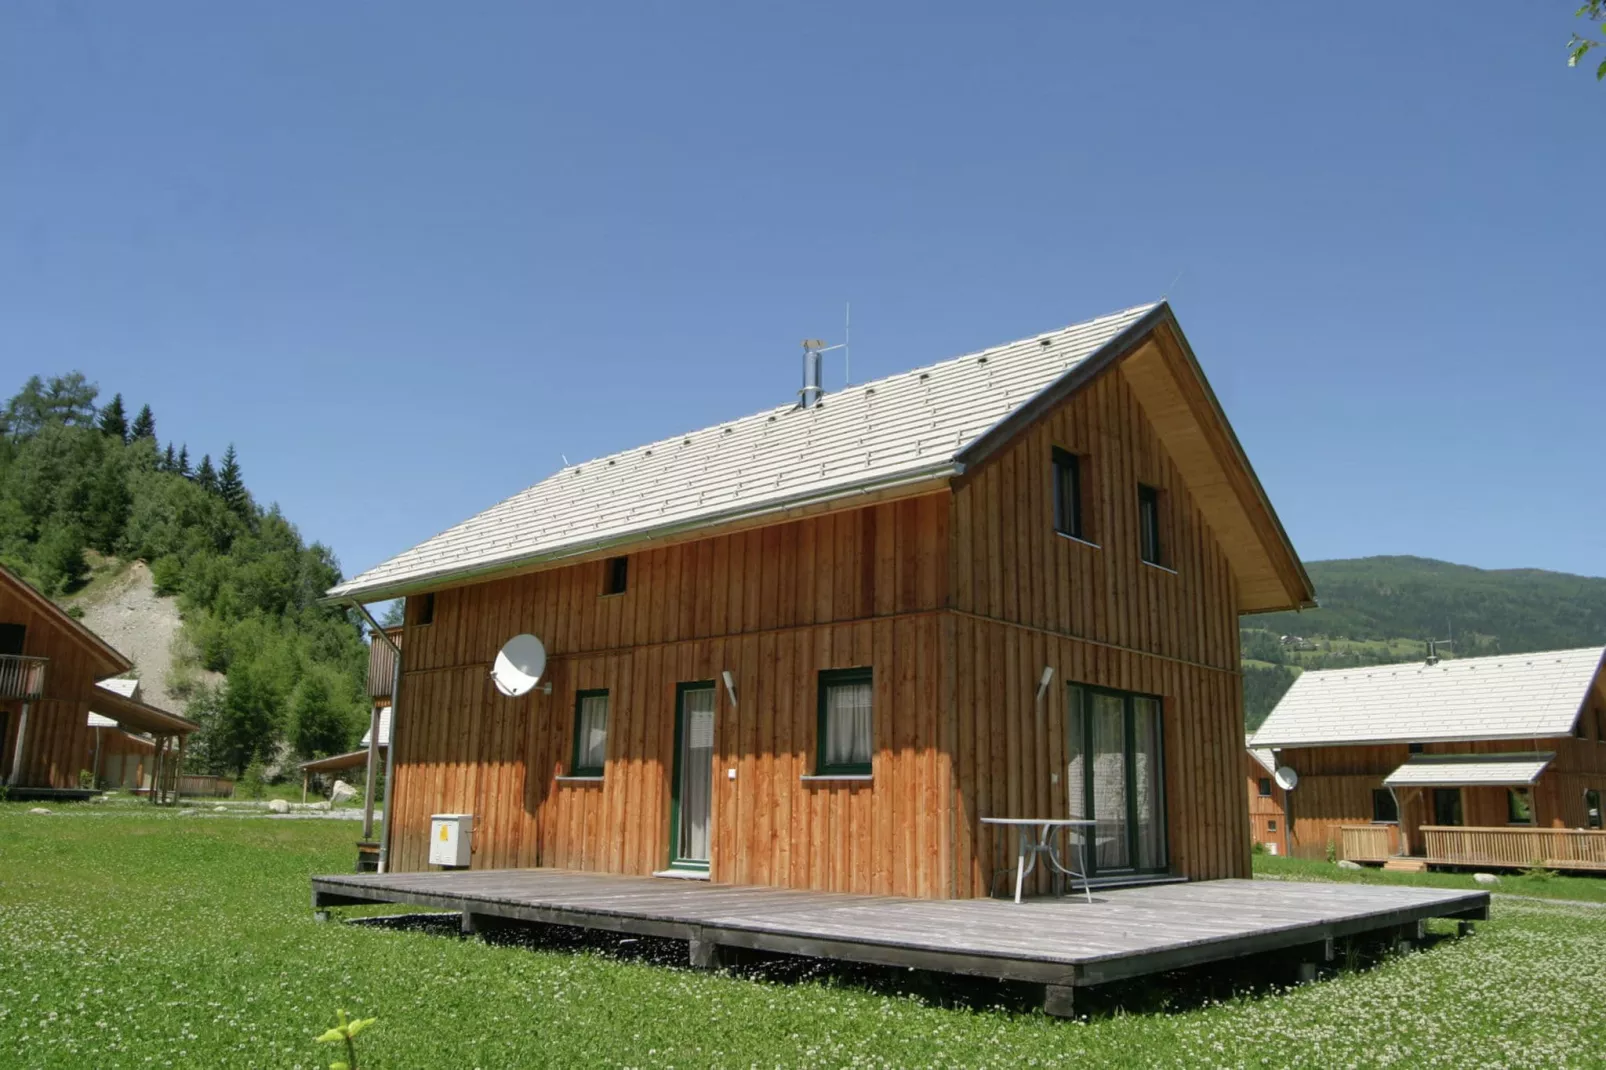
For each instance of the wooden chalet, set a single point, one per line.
(1268, 808)
(50, 665)
(812, 647)
(1489, 762)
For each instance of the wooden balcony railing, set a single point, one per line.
(1368, 843)
(22, 677)
(381, 669)
(1515, 847)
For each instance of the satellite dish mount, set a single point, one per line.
(1286, 778)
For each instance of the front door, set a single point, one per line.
(692, 800)
(1115, 776)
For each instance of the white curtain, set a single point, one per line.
(696, 773)
(1109, 782)
(847, 724)
(593, 729)
(1150, 816)
(1075, 754)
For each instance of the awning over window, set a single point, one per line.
(1469, 770)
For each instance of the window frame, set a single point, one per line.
(1082, 694)
(615, 575)
(575, 768)
(1149, 507)
(829, 678)
(1065, 462)
(423, 614)
(1512, 794)
(1379, 794)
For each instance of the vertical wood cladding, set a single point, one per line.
(1336, 784)
(956, 599)
(60, 741)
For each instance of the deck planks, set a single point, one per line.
(1123, 933)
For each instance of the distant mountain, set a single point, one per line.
(1380, 610)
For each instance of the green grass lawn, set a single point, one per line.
(138, 939)
(1546, 886)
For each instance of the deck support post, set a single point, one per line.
(1463, 927)
(703, 953)
(1307, 973)
(480, 925)
(1059, 1001)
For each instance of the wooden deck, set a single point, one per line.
(1060, 943)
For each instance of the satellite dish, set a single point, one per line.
(519, 665)
(1287, 779)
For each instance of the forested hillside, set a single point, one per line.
(1378, 610)
(84, 483)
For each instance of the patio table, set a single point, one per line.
(1034, 838)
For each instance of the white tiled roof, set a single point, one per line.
(384, 729)
(899, 429)
(1468, 770)
(1507, 696)
(97, 720)
(1264, 758)
(126, 686)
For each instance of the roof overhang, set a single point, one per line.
(132, 713)
(908, 483)
(1158, 364)
(350, 760)
(1285, 743)
(1470, 770)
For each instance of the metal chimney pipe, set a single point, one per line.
(810, 395)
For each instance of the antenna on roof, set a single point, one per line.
(1167, 292)
(1433, 649)
(813, 381)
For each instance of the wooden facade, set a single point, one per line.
(957, 596)
(1336, 786)
(1268, 802)
(58, 743)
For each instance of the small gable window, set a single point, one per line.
(423, 607)
(1265, 787)
(1068, 494)
(615, 575)
(1149, 524)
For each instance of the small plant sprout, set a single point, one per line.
(346, 1032)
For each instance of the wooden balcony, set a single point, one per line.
(1488, 848)
(382, 665)
(22, 677)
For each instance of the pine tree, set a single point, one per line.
(230, 486)
(114, 420)
(169, 462)
(205, 477)
(144, 425)
(183, 468)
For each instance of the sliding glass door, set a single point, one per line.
(1115, 773)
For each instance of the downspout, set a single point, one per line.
(373, 743)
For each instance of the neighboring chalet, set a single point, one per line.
(49, 668)
(1268, 807)
(812, 647)
(1491, 761)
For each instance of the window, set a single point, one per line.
(1592, 808)
(1413, 748)
(590, 733)
(615, 575)
(1600, 724)
(1067, 494)
(1271, 824)
(423, 607)
(1447, 806)
(12, 638)
(1115, 776)
(1265, 787)
(1519, 807)
(1385, 810)
(1149, 523)
(845, 734)
(1580, 730)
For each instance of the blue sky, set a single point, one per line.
(406, 255)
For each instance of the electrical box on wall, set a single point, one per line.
(449, 839)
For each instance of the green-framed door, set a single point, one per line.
(691, 803)
(1115, 775)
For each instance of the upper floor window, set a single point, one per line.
(1149, 523)
(1600, 724)
(845, 734)
(590, 733)
(1068, 494)
(1265, 787)
(615, 575)
(13, 637)
(423, 607)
